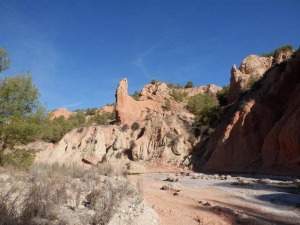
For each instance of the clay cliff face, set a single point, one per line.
(261, 132)
(155, 139)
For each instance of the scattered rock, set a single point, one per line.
(134, 168)
(172, 178)
(172, 187)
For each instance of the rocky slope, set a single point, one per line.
(155, 137)
(261, 131)
(146, 131)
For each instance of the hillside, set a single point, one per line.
(260, 133)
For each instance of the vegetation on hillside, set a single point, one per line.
(178, 95)
(222, 95)
(39, 196)
(205, 107)
(285, 48)
(135, 95)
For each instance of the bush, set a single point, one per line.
(178, 95)
(19, 158)
(135, 95)
(125, 127)
(189, 84)
(222, 95)
(90, 111)
(285, 48)
(252, 80)
(154, 81)
(170, 85)
(50, 187)
(205, 108)
(167, 105)
(135, 126)
(178, 86)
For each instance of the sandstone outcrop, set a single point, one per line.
(129, 110)
(152, 100)
(252, 67)
(206, 89)
(156, 138)
(107, 109)
(61, 112)
(261, 131)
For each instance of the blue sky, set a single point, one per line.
(77, 51)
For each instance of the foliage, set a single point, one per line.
(125, 127)
(102, 118)
(37, 200)
(285, 48)
(222, 95)
(189, 84)
(178, 86)
(252, 80)
(20, 158)
(170, 85)
(135, 126)
(21, 113)
(90, 111)
(205, 108)
(135, 95)
(154, 81)
(4, 60)
(178, 95)
(167, 105)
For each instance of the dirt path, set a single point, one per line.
(220, 201)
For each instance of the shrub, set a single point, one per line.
(51, 186)
(178, 86)
(154, 81)
(19, 158)
(178, 95)
(125, 127)
(252, 80)
(285, 48)
(167, 105)
(189, 84)
(135, 95)
(222, 95)
(135, 126)
(205, 108)
(90, 111)
(170, 85)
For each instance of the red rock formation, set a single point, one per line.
(252, 67)
(262, 131)
(129, 110)
(207, 89)
(61, 112)
(107, 108)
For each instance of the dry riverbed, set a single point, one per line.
(221, 199)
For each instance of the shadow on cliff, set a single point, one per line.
(211, 148)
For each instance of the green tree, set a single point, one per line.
(21, 113)
(205, 107)
(4, 60)
(189, 84)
